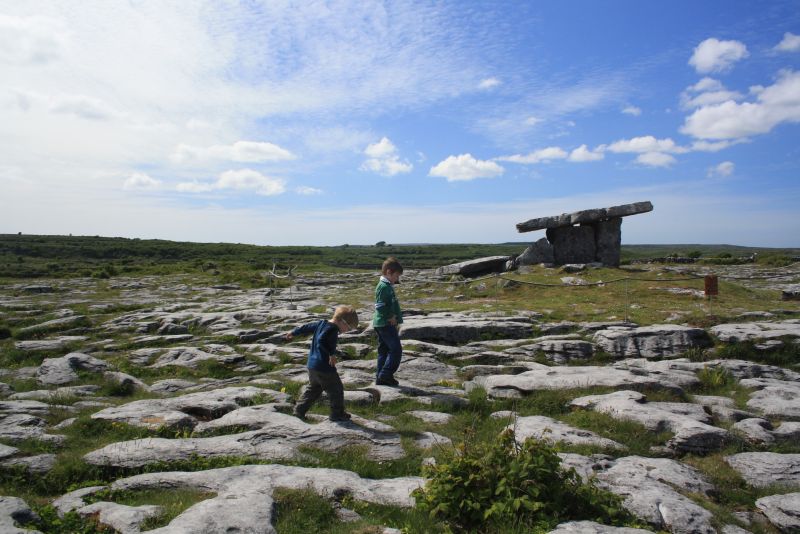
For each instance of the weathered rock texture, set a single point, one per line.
(585, 236)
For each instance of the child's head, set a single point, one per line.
(347, 314)
(391, 265)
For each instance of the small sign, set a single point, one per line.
(711, 285)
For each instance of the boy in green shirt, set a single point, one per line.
(385, 321)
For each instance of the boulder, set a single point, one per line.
(539, 252)
(58, 371)
(460, 328)
(476, 267)
(657, 341)
(14, 510)
(762, 469)
(590, 527)
(783, 511)
(544, 428)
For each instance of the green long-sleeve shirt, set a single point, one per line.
(386, 304)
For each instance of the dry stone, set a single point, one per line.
(14, 510)
(490, 264)
(657, 341)
(544, 428)
(783, 511)
(762, 469)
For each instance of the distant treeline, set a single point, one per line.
(32, 256)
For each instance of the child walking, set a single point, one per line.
(385, 321)
(322, 375)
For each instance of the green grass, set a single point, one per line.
(173, 501)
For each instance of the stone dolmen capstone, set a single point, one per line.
(583, 236)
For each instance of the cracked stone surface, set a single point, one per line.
(783, 511)
(766, 468)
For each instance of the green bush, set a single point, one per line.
(502, 486)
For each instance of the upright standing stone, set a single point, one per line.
(572, 244)
(608, 236)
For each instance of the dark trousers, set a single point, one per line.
(390, 351)
(318, 382)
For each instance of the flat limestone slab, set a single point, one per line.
(585, 216)
(762, 469)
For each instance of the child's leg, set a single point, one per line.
(391, 338)
(333, 386)
(311, 393)
(383, 350)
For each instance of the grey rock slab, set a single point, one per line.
(489, 264)
(647, 485)
(48, 344)
(590, 527)
(777, 398)
(7, 451)
(428, 440)
(191, 356)
(435, 418)
(37, 464)
(737, 332)
(426, 371)
(545, 378)
(122, 518)
(58, 371)
(54, 394)
(460, 328)
(243, 501)
(184, 411)
(755, 430)
(539, 252)
(544, 428)
(468, 372)
(656, 341)
(428, 396)
(171, 385)
(278, 438)
(69, 502)
(17, 427)
(585, 216)
(62, 323)
(783, 511)
(689, 422)
(14, 510)
(555, 349)
(762, 469)
(249, 417)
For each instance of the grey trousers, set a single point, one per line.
(318, 382)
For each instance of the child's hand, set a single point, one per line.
(332, 361)
(288, 336)
(393, 321)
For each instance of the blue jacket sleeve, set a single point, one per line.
(305, 329)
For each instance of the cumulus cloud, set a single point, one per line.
(723, 169)
(790, 43)
(715, 146)
(240, 152)
(384, 159)
(583, 154)
(645, 144)
(774, 105)
(489, 83)
(306, 190)
(465, 167)
(655, 159)
(713, 55)
(30, 40)
(238, 180)
(706, 92)
(632, 110)
(543, 155)
(140, 181)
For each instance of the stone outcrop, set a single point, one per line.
(585, 236)
(783, 511)
(657, 341)
(490, 264)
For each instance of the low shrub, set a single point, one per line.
(502, 486)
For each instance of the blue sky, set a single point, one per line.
(324, 123)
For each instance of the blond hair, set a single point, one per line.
(391, 264)
(347, 314)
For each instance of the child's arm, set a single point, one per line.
(300, 330)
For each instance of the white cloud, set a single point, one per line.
(306, 190)
(240, 152)
(655, 159)
(774, 105)
(713, 55)
(489, 83)
(532, 121)
(543, 155)
(84, 107)
(384, 159)
(723, 169)
(706, 92)
(30, 40)
(141, 181)
(465, 167)
(708, 146)
(583, 154)
(644, 144)
(790, 43)
(632, 110)
(238, 180)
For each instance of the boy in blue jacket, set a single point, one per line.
(386, 321)
(322, 375)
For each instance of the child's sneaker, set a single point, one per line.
(344, 416)
(391, 381)
(299, 415)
